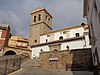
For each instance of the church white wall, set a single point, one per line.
(78, 44)
(55, 36)
(36, 50)
(76, 30)
(73, 45)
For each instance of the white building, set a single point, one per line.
(92, 13)
(65, 39)
(42, 38)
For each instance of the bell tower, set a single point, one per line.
(41, 22)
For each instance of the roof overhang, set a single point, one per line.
(85, 8)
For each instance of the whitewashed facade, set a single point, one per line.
(75, 37)
(92, 13)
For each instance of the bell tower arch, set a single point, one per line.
(41, 22)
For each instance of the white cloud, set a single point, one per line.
(13, 21)
(65, 13)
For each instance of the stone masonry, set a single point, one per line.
(79, 59)
(41, 26)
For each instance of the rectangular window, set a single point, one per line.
(46, 40)
(34, 18)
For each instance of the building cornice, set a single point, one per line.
(69, 28)
(59, 41)
(66, 50)
(40, 23)
(41, 9)
(18, 48)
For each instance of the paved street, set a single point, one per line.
(29, 69)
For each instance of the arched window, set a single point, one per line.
(46, 40)
(61, 37)
(48, 20)
(46, 17)
(77, 34)
(34, 18)
(39, 17)
(55, 50)
(41, 50)
(67, 47)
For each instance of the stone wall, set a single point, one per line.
(11, 63)
(79, 59)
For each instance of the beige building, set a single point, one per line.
(18, 41)
(92, 13)
(4, 37)
(17, 45)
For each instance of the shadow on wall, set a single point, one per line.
(81, 60)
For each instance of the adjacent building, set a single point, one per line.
(42, 38)
(4, 36)
(18, 41)
(10, 45)
(17, 45)
(92, 13)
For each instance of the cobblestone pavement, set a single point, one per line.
(29, 69)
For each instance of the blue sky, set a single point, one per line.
(16, 13)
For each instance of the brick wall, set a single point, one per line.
(79, 59)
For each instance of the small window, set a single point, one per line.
(48, 20)
(34, 18)
(46, 17)
(41, 50)
(48, 35)
(61, 37)
(64, 32)
(39, 17)
(60, 32)
(35, 40)
(46, 40)
(67, 47)
(77, 34)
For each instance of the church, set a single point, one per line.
(43, 39)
